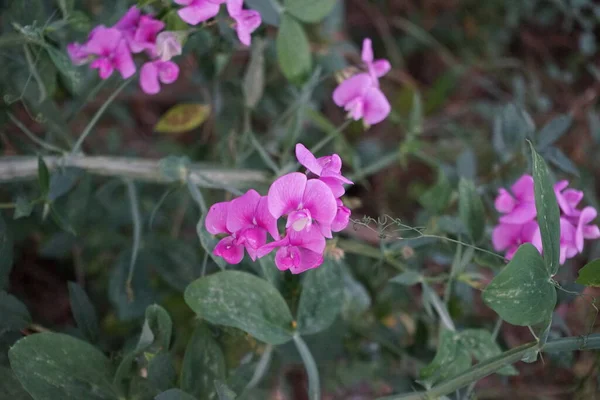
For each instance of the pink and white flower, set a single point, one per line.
(328, 169)
(153, 73)
(246, 21)
(298, 251)
(111, 52)
(196, 11)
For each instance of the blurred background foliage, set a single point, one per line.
(470, 81)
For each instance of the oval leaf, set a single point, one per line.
(14, 313)
(244, 301)
(293, 49)
(590, 274)
(54, 366)
(183, 118)
(83, 312)
(553, 130)
(522, 293)
(310, 11)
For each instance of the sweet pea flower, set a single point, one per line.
(327, 168)
(246, 220)
(111, 51)
(128, 23)
(246, 21)
(360, 95)
(567, 199)
(584, 230)
(303, 200)
(298, 251)
(196, 11)
(146, 34)
(342, 217)
(78, 53)
(168, 45)
(519, 208)
(508, 237)
(154, 72)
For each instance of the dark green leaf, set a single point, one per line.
(6, 254)
(62, 181)
(310, 11)
(130, 302)
(548, 215)
(71, 75)
(560, 160)
(471, 209)
(174, 394)
(466, 164)
(511, 127)
(270, 15)
(61, 222)
(23, 208)
(83, 312)
(293, 49)
(224, 392)
(590, 274)
(356, 297)
(160, 324)
(43, 177)
(522, 293)
(553, 130)
(482, 346)
(10, 387)
(437, 198)
(161, 372)
(203, 363)
(451, 359)
(321, 299)
(244, 301)
(15, 316)
(407, 278)
(54, 366)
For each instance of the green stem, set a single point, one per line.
(35, 139)
(96, 117)
(314, 386)
(137, 235)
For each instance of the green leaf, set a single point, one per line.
(511, 127)
(224, 392)
(43, 177)
(471, 209)
(450, 360)
(560, 160)
(208, 242)
(174, 22)
(482, 347)
(314, 385)
(244, 301)
(553, 130)
(6, 254)
(548, 215)
(309, 11)
(54, 366)
(267, 9)
(407, 278)
(159, 323)
(293, 50)
(589, 275)
(15, 316)
(356, 297)
(203, 363)
(70, 74)
(175, 394)
(437, 198)
(84, 312)
(254, 80)
(10, 387)
(522, 293)
(23, 208)
(61, 222)
(161, 372)
(183, 118)
(321, 298)
(62, 180)
(130, 304)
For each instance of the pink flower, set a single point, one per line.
(520, 208)
(111, 51)
(569, 199)
(568, 249)
(154, 71)
(139, 30)
(327, 168)
(584, 230)
(78, 53)
(508, 237)
(168, 45)
(128, 23)
(246, 21)
(246, 220)
(302, 200)
(298, 251)
(197, 11)
(342, 217)
(360, 95)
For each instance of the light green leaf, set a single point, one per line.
(203, 363)
(6, 253)
(254, 80)
(174, 22)
(310, 11)
(293, 49)
(321, 298)
(83, 312)
(548, 215)
(522, 293)
(589, 275)
(15, 316)
(54, 366)
(244, 301)
(61, 222)
(471, 209)
(175, 394)
(183, 118)
(451, 359)
(224, 392)
(482, 347)
(407, 278)
(553, 130)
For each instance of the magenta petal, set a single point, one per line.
(149, 78)
(319, 200)
(253, 239)
(504, 235)
(587, 215)
(230, 251)
(216, 218)
(130, 20)
(104, 41)
(523, 188)
(381, 67)
(312, 239)
(351, 88)
(234, 7)
(104, 67)
(168, 71)
(264, 219)
(521, 214)
(376, 106)
(242, 211)
(77, 53)
(307, 159)
(504, 203)
(285, 194)
(194, 14)
(269, 247)
(335, 185)
(123, 60)
(308, 260)
(591, 232)
(325, 230)
(367, 51)
(287, 257)
(342, 218)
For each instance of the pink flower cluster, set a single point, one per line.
(517, 223)
(110, 49)
(360, 94)
(311, 202)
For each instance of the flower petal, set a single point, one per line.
(523, 189)
(367, 51)
(123, 60)
(230, 251)
(312, 239)
(234, 7)
(504, 203)
(308, 260)
(342, 217)
(241, 211)
(307, 159)
(285, 194)
(521, 214)
(381, 67)
(376, 106)
(504, 235)
(168, 71)
(216, 218)
(351, 88)
(319, 200)
(264, 218)
(149, 78)
(269, 247)
(194, 14)
(104, 41)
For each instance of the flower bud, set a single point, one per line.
(168, 44)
